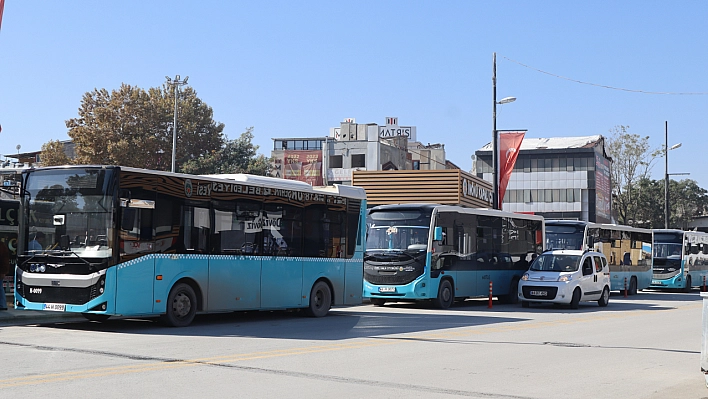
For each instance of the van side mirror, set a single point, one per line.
(438, 234)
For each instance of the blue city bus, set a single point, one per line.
(111, 240)
(446, 253)
(680, 259)
(627, 249)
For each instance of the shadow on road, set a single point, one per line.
(371, 321)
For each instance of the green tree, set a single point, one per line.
(53, 154)
(133, 127)
(632, 159)
(686, 201)
(235, 156)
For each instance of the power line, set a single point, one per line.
(605, 86)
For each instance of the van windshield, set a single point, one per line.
(556, 263)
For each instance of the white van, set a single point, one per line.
(568, 277)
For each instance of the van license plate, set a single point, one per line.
(539, 293)
(387, 289)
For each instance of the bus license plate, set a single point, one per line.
(539, 293)
(387, 289)
(54, 307)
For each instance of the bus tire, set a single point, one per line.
(688, 287)
(181, 306)
(320, 300)
(604, 298)
(632, 286)
(575, 301)
(96, 316)
(446, 295)
(377, 301)
(513, 297)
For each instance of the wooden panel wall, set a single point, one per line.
(417, 186)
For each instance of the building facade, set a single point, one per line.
(354, 147)
(558, 178)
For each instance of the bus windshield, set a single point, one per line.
(556, 263)
(69, 210)
(668, 244)
(564, 236)
(399, 230)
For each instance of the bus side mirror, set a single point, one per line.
(438, 234)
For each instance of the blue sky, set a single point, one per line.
(296, 68)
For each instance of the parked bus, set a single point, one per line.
(680, 259)
(446, 253)
(627, 249)
(8, 235)
(110, 240)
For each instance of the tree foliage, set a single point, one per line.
(686, 201)
(235, 156)
(53, 154)
(632, 159)
(133, 127)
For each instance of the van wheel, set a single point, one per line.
(688, 287)
(604, 298)
(575, 302)
(320, 300)
(181, 306)
(377, 301)
(445, 295)
(632, 286)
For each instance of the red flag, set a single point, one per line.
(2, 7)
(509, 146)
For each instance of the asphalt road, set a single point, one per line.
(646, 346)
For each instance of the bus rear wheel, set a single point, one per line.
(445, 296)
(181, 306)
(632, 286)
(320, 300)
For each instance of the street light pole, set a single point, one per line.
(666, 172)
(495, 160)
(175, 84)
(496, 203)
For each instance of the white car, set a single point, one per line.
(567, 277)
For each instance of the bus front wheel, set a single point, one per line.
(377, 301)
(445, 295)
(687, 288)
(320, 300)
(181, 306)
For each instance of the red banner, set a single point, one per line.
(2, 7)
(303, 166)
(509, 147)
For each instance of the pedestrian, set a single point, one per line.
(4, 269)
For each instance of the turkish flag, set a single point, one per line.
(509, 147)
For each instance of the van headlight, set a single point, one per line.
(525, 277)
(565, 278)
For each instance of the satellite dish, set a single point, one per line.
(18, 147)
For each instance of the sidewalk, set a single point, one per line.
(14, 317)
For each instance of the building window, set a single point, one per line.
(335, 161)
(527, 195)
(358, 160)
